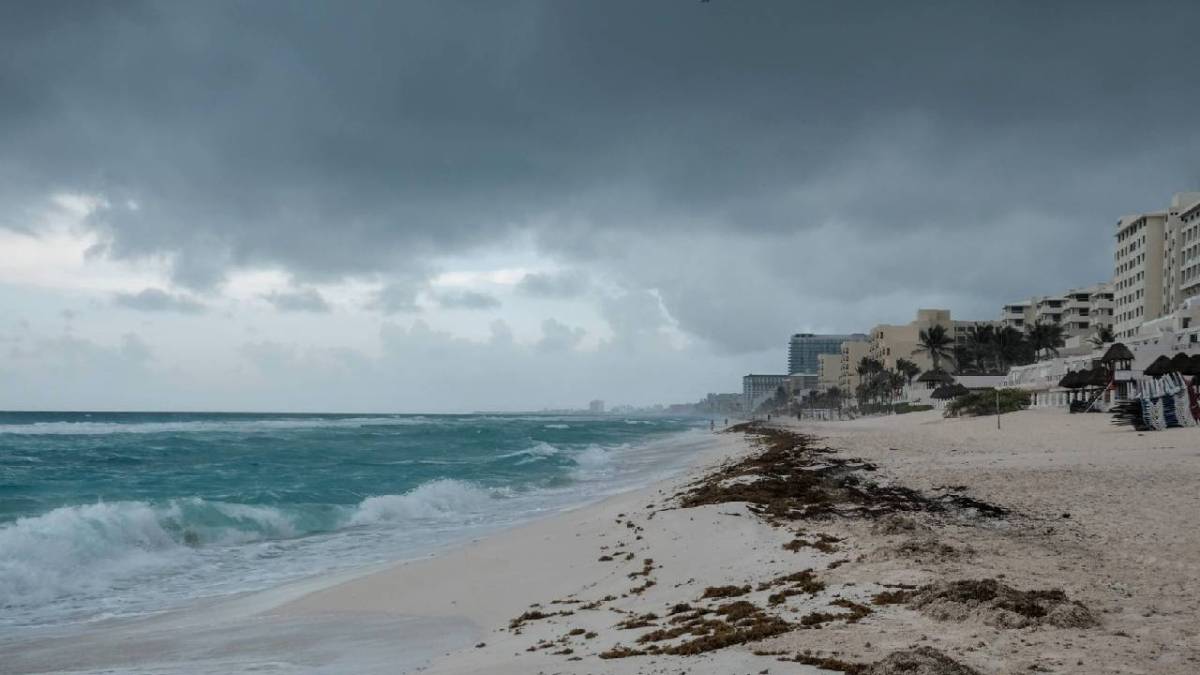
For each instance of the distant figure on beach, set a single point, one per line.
(712, 425)
(726, 421)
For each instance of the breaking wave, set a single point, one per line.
(84, 550)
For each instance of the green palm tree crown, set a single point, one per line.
(1045, 338)
(937, 343)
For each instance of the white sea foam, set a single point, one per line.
(82, 549)
(556, 426)
(441, 499)
(539, 450)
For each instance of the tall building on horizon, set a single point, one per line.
(804, 350)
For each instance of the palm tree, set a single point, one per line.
(937, 343)
(1102, 336)
(1045, 338)
(908, 369)
(977, 349)
(1008, 343)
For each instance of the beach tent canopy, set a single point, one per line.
(1180, 363)
(1161, 366)
(1117, 352)
(935, 376)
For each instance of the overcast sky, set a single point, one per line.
(450, 206)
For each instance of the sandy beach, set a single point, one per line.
(1094, 520)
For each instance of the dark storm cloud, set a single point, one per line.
(158, 300)
(343, 140)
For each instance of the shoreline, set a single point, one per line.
(88, 646)
(1056, 544)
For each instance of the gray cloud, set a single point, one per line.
(158, 300)
(467, 300)
(303, 300)
(557, 336)
(942, 132)
(561, 285)
(397, 296)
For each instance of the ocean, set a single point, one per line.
(107, 515)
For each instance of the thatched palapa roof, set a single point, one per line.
(1071, 380)
(1180, 362)
(938, 375)
(949, 391)
(1097, 377)
(1117, 352)
(1161, 366)
(1193, 365)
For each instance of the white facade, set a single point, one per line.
(1138, 271)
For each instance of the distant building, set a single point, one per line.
(804, 348)
(721, 404)
(758, 388)
(596, 407)
(890, 343)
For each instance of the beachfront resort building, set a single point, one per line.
(1017, 315)
(1156, 266)
(1080, 311)
(891, 342)
(758, 388)
(829, 369)
(851, 354)
(1138, 271)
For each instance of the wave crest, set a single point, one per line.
(439, 499)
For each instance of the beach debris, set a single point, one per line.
(725, 591)
(1000, 605)
(857, 612)
(793, 479)
(916, 661)
(823, 543)
(922, 549)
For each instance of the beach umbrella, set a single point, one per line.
(1180, 362)
(1160, 367)
(957, 390)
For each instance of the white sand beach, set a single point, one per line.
(1102, 513)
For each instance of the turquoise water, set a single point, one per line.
(105, 514)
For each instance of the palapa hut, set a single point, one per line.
(934, 378)
(1073, 380)
(1118, 357)
(1193, 366)
(1161, 366)
(1180, 362)
(943, 392)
